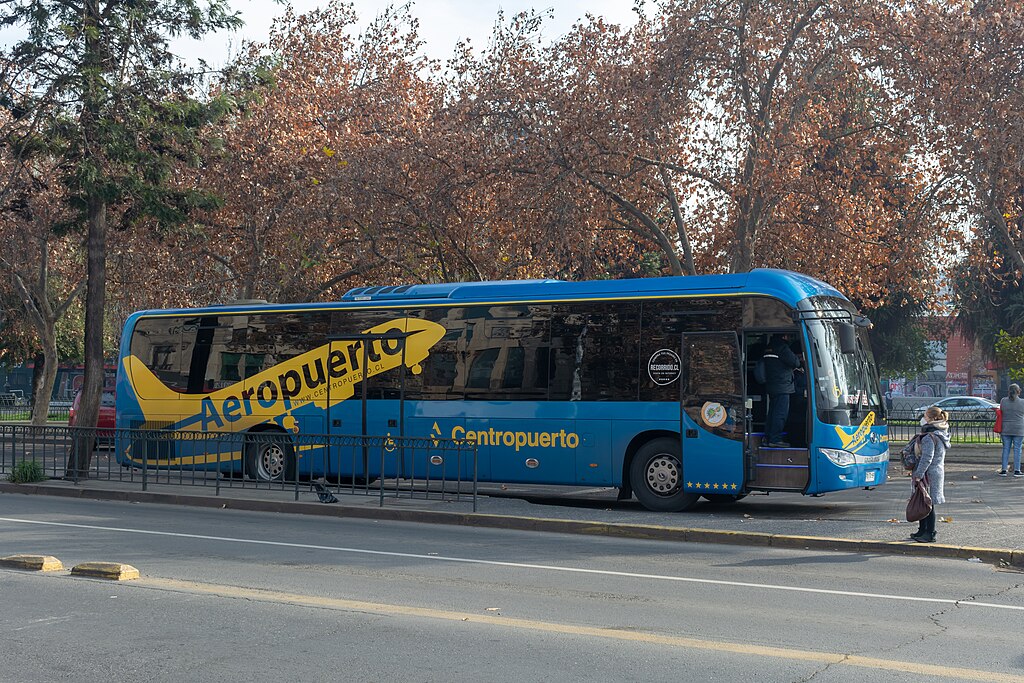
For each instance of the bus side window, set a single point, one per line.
(157, 342)
(594, 349)
(505, 339)
(443, 366)
(481, 369)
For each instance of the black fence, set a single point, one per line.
(320, 464)
(972, 428)
(15, 408)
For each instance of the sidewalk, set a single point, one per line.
(983, 517)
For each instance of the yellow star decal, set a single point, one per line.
(689, 484)
(734, 486)
(716, 485)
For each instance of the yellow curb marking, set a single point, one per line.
(36, 563)
(571, 629)
(115, 571)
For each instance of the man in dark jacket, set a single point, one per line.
(779, 364)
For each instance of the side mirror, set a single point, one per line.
(847, 337)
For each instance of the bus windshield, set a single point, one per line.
(846, 385)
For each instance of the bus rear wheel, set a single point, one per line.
(270, 458)
(656, 475)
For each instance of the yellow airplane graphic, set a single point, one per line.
(854, 442)
(324, 376)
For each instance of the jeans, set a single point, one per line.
(1013, 442)
(778, 411)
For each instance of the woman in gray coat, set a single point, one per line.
(935, 428)
(1012, 408)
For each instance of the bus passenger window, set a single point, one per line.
(157, 343)
(512, 378)
(481, 368)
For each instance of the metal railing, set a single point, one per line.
(321, 464)
(962, 429)
(14, 409)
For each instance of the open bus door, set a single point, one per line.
(713, 414)
(777, 469)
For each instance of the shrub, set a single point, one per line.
(27, 472)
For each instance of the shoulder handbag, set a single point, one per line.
(998, 426)
(920, 504)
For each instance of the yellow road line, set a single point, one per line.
(571, 629)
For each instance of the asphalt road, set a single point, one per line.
(240, 596)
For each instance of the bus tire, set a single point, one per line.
(656, 476)
(270, 458)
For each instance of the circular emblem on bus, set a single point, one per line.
(436, 460)
(713, 414)
(664, 367)
(532, 463)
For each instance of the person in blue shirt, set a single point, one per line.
(779, 363)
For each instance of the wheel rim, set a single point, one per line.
(270, 464)
(663, 474)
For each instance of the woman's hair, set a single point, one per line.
(935, 414)
(1014, 391)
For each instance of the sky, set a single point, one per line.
(442, 22)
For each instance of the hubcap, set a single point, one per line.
(663, 474)
(271, 462)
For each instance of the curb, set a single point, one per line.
(32, 563)
(111, 571)
(995, 556)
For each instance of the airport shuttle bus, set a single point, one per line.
(647, 385)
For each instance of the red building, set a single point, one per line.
(967, 373)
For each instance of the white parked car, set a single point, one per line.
(966, 407)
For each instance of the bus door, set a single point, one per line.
(777, 467)
(372, 405)
(712, 413)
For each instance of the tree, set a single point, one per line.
(45, 269)
(962, 64)
(317, 160)
(724, 136)
(117, 107)
(900, 337)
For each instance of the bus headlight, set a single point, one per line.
(839, 457)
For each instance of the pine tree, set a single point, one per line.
(108, 97)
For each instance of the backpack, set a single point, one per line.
(910, 456)
(761, 369)
(760, 372)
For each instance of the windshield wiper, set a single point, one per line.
(855, 410)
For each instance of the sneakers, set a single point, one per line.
(1001, 473)
(776, 444)
(1018, 473)
(924, 538)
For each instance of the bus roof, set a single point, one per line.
(788, 286)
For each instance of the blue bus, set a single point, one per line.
(647, 385)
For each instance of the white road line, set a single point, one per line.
(523, 565)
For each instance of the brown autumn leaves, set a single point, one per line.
(867, 143)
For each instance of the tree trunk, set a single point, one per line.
(43, 380)
(96, 245)
(37, 374)
(95, 302)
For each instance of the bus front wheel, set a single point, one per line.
(270, 458)
(656, 475)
